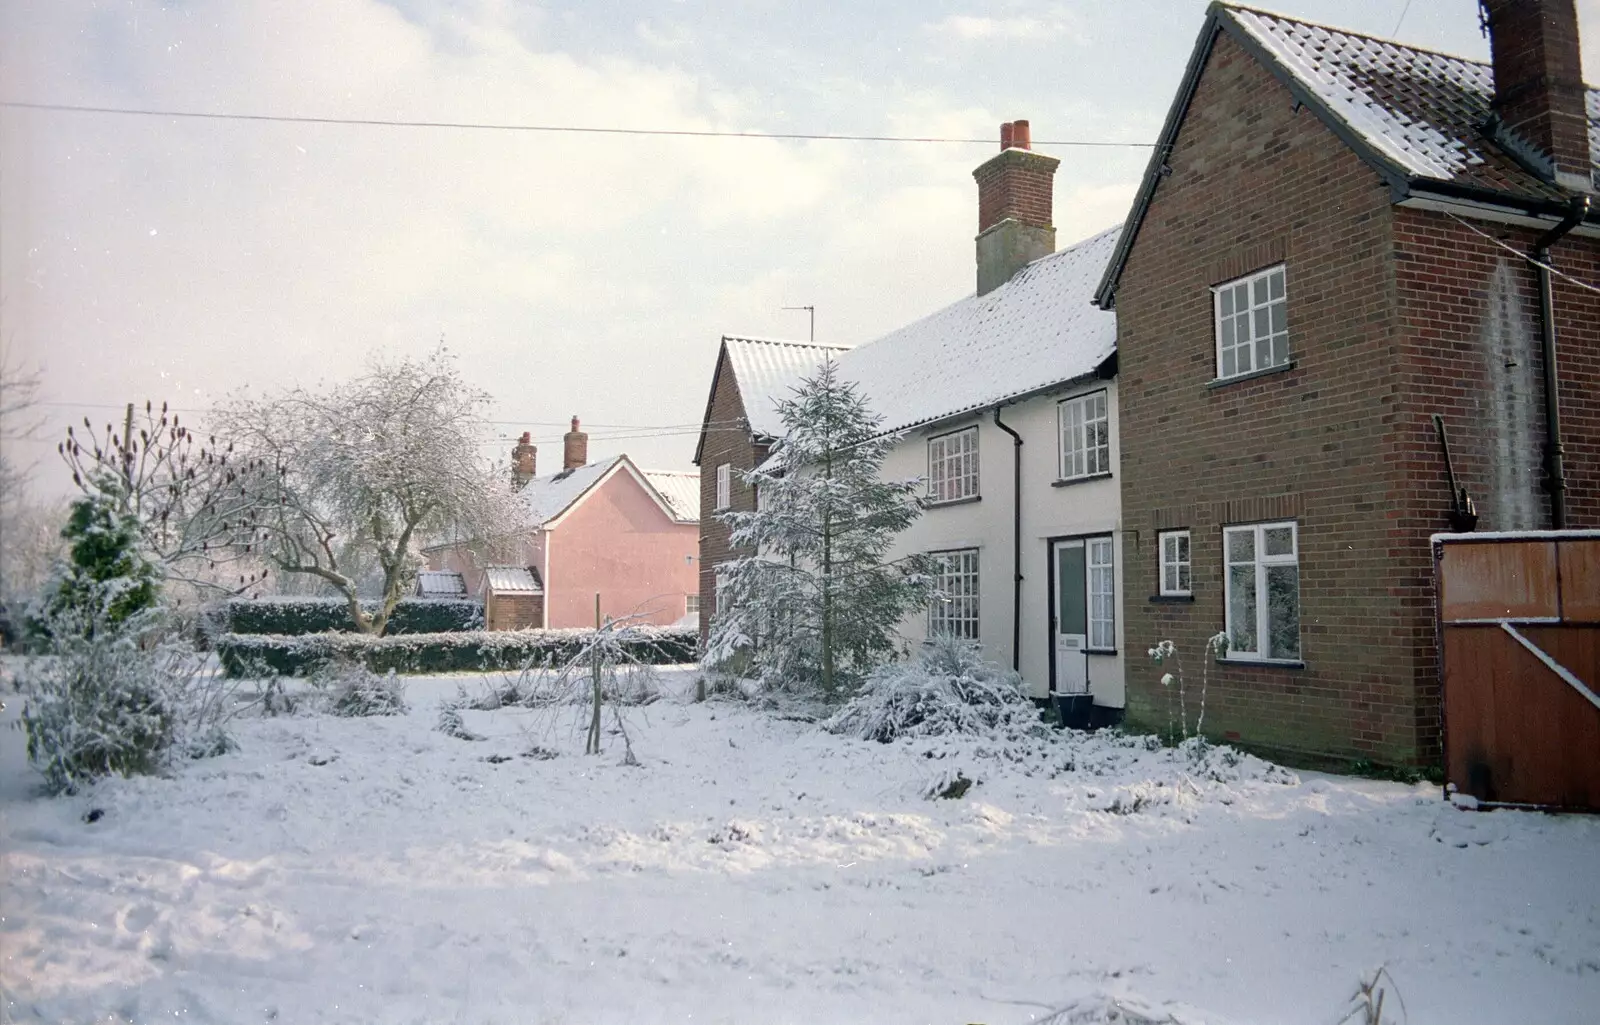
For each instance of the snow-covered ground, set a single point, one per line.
(756, 869)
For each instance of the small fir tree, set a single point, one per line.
(817, 602)
(106, 575)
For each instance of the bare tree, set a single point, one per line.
(196, 502)
(367, 470)
(19, 394)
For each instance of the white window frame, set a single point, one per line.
(959, 614)
(953, 466)
(1083, 425)
(691, 604)
(724, 485)
(1261, 561)
(1240, 333)
(719, 590)
(1100, 580)
(1180, 560)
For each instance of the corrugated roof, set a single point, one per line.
(440, 583)
(1034, 331)
(680, 490)
(766, 369)
(511, 580)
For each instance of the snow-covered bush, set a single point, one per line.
(117, 697)
(950, 690)
(354, 690)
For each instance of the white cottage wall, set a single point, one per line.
(1049, 511)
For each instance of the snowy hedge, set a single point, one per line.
(297, 616)
(255, 654)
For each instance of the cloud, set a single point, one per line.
(588, 274)
(968, 27)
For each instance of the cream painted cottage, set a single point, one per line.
(1006, 403)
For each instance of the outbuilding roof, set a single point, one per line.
(511, 580)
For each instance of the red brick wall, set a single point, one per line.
(1255, 182)
(1394, 314)
(727, 440)
(1016, 183)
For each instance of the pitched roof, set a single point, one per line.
(1416, 117)
(548, 497)
(1035, 331)
(511, 580)
(765, 369)
(681, 491)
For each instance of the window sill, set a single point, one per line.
(1172, 599)
(1069, 481)
(1265, 663)
(1223, 382)
(927, 504)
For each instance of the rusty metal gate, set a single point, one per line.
(1519, 648)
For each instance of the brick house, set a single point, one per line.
(605, 528)
(1329, 249)
(1005, 402)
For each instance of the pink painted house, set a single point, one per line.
(631, 536)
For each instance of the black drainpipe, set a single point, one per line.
(1555, 466)
(1016, 544)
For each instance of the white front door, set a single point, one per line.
(1070, 618)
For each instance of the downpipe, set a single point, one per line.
(1554, 456)
(1016, 543)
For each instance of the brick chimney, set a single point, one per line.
(523, 460)
(1539, 110)
(1015, 200)
(574, 448)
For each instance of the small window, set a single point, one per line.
(724, 486)
(953, 466)
(1102, 595)
(1263, 591)
(1175, 564)
(1085, 436)
(954, 612)
(691, 604)
(1252, 319)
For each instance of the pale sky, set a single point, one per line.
(146, 257)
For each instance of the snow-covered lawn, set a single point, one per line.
(759, 870)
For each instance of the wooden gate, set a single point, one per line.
(1519, 644)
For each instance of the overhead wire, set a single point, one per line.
(696, 133)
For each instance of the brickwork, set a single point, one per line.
(727, 440)
(1540, 93)
(1016, 183)
(1255, 182)
(1394, 314)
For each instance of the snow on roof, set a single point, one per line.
(549, 497)
(766, 369)
(680, 490)
(1421, 111)
(1034, 331)
(441, 583)
(511, 580)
